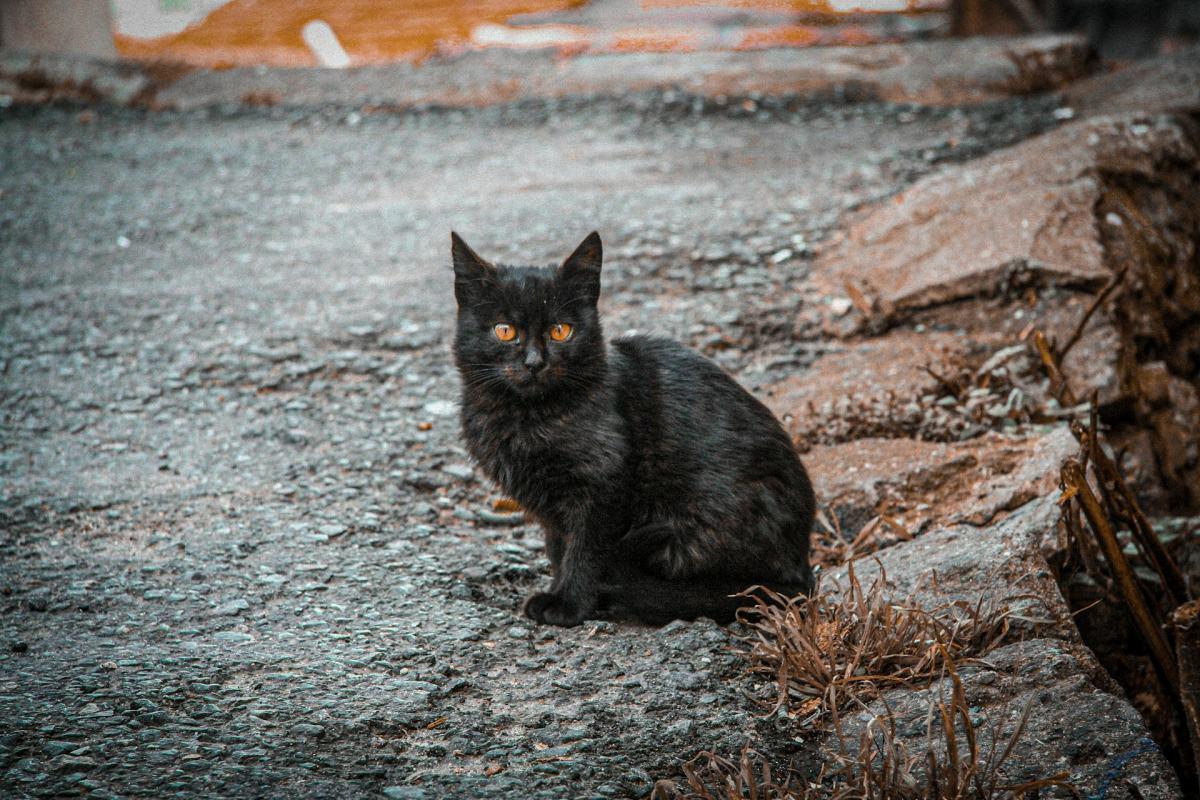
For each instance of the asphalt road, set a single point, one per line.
(242, 550)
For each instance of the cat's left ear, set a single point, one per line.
(583, 266)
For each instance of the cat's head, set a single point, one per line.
(529, 331)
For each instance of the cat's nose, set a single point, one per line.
(534, 361)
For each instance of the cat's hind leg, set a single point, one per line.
(662, 547)
(666, 571)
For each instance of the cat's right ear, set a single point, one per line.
(583, 266)
(470, 271)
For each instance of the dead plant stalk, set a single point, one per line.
(1075, 486)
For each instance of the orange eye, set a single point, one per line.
(561, 332)
(505, 332)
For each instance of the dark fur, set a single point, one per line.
(662, 485)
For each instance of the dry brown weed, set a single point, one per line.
(848, 644)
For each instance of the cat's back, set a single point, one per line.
(710, 457)
(652, 365)
(668, 359)
(670, 392)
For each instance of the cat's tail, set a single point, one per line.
(657, 601)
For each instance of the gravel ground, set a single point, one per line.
(244, 553)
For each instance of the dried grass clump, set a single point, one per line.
(711, 777)
(955, 765)
(840, 646)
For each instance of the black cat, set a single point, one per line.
(662, 485)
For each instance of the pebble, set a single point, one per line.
(681, 728)
(686, 680)
(404, 793)
(233, 607)
(441, 408)
(464, 472)
(503, 520)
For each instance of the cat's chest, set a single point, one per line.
(506, 445)
(527, 458)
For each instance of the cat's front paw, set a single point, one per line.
(552, 609)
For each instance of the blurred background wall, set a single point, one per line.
(227, 32)
(78, 27)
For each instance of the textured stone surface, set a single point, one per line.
(1023, 213)
(1078, 723)
(919, 483)
(1166, 83)
(863, 372)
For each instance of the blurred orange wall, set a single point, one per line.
(268, 31)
